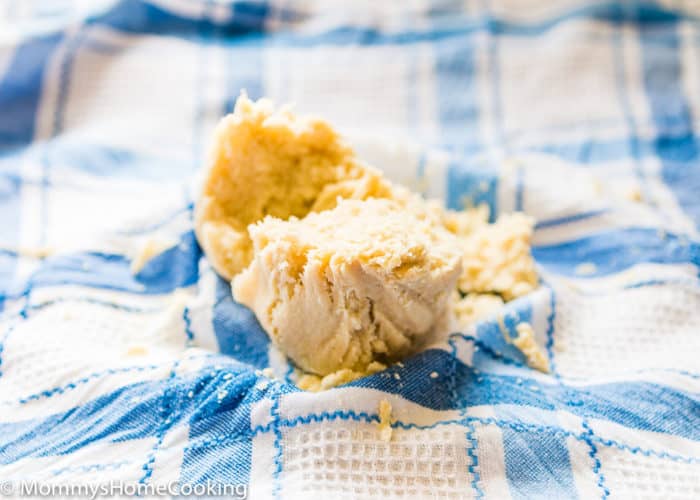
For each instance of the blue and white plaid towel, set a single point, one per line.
(580, 113)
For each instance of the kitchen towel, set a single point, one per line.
(125, 360)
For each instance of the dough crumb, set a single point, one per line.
(316, 383)
(586, 269)
(525, 341)
(150, 248)
(634, 194)
(136, 350)
(434, 375)
(268, 372)
(385, 421)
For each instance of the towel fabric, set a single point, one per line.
(114, 367)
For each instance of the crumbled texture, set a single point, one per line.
(525, 341)
(315, 383)
(385, 420)
(497, 259)
(366, 281)
(341, 284)
(475, 307)
(267, 162)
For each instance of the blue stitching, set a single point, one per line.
(489, 351)
(73, 385)
(22, 314)
(647, 453)
(329, 417)
(510, 361)
(471, 452)
(165, 424)
(188, 326)
(91, 467)
(586, 437)
(168, 420)
(351, 415)
(550, 332)
(516, 426)
(593, 453)
(472, 442)
(274, 412)
(93, 301)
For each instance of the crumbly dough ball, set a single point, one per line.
(267, 162)
(366, 281)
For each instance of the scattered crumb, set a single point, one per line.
(597, 186)
(268, 372)
(136, 350)
(586, 269)
(397, 376)
(149, 249)
(525, 341)
(385, 420)
(315, 383)
(634, 194)
(262, 385)
(434, 375)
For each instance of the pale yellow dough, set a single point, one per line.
(315, 383)
(385, 420)
(266, 162)
(365, 281)
(344, 269)
(534, 354)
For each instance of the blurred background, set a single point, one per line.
(119, 98)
